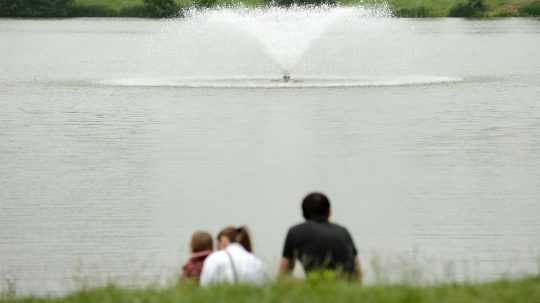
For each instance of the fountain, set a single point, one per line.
(284, 36)
(286, 77)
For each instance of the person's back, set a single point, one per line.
(232, 265)
(234, 262)
(319, 244)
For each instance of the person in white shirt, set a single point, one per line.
(234, 262)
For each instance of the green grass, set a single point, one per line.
(531, 9)
(441, 8)
(111, 8)
(115, 5)
(312, 291)
(438, 8)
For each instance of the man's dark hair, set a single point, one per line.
(316, 206)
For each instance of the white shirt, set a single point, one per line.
(218, 268)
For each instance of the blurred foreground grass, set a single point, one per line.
(312, 291)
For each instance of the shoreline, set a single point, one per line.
(482, 9)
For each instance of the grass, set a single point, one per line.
(313, 291)
(115, 5)
(110, 8)
(438, 8)
(531, 9)
(442, 8)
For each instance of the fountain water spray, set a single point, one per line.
(285, 34)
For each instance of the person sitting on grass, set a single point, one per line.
(234, 262)
(201, 247)
(319, 244)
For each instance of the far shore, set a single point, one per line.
(398, 8)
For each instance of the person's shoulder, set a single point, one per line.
(201, 255)
(215, 257)
(299, 226)
(339, 227)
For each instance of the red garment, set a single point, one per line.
(193, 267)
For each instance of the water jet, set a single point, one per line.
(309, 42)
(285, 35)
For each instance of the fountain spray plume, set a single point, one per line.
(284, 33)
(228, 38)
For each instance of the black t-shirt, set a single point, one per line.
(321, 245)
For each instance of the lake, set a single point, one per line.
(120, 137)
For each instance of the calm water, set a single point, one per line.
(108, 160)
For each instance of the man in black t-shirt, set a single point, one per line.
(319, 244)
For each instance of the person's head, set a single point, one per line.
(316, 206)
(201, 241)
(238, 235)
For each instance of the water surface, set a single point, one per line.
(109, 161)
